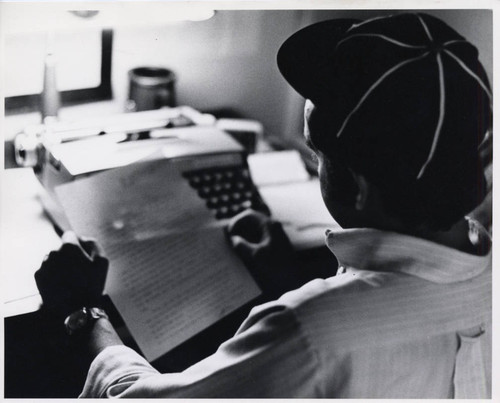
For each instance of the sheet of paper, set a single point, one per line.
(300, 208)
(298, 203)
(136, 202)
(277, 167)
(172, 273)
(27, 237)
(170, 288)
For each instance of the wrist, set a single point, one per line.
(102, 335)
(90, 327)
(81, 321)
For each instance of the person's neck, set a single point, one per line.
(457, 237)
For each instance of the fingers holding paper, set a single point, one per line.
(266, 250)
(73, 276)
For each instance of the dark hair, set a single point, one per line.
(435, 203)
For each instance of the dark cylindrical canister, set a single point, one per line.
(151, 88)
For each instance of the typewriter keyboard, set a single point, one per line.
(226, 191)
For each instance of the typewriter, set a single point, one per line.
(211, 159)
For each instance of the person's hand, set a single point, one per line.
(266, 250)
(72, 277)
(257, 238)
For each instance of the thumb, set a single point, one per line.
(70, 241)
(70, 237)
(243, 248)
(91, 246)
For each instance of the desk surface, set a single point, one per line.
(27, 236)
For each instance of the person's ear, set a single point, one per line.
(362, 192)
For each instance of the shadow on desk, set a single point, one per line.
(41, 362)
(37, 364)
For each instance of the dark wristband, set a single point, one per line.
(82, 321)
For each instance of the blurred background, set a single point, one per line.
(223, 60)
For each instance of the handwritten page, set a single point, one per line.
(172, 272)
(168, 289)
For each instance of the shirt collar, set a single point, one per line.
(375, 250)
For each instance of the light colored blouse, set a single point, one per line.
(404, 318)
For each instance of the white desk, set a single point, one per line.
(26, 237)
(26, 234)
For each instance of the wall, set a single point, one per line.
(229, 60)
(225, 62)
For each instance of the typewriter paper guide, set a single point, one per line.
(171, 273)
(98, 153)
